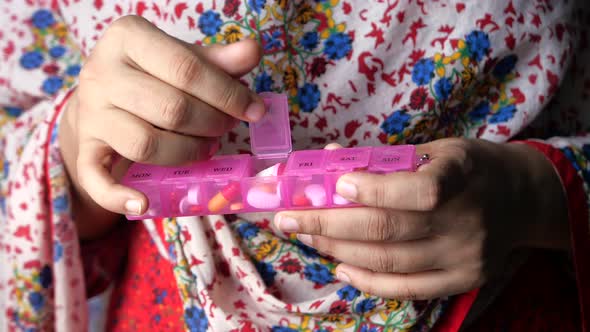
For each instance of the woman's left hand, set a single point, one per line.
(444, 229)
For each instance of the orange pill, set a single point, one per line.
(224, 197)
(236, 206)
(268, 187)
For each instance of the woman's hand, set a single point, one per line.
(149, 98)
(444, 229)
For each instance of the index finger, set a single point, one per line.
(184, 67)
(359, 224)
(424, 190)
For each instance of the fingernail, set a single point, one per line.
(304, 238)
(343, 277)
(255, 111)
(287, 224)
(133, 207)
(346, 188)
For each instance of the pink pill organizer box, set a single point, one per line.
(272, 179)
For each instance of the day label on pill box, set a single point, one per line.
(348, 159)
(183, 173)
(227, 167)
(306, 162)
(393, 158)
(143, 173)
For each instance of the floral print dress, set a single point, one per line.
(356, 72)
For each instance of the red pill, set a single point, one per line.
(301, 200)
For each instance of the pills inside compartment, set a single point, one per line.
(340, 162)
(224, 196)
(183, 199)
(264, 193)
(310, 192)
(154, 207)
(222, 183)
(181, 191)
(146, 179)
(337, 200)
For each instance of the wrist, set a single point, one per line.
(544, 211)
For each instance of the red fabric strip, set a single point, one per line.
(453, 317)
(578, 218)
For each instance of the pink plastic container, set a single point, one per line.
(273, 179)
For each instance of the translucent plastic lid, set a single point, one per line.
(185, 173)
(271, 136)
(306, 162)
(393, 158)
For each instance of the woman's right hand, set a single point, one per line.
(149, 98)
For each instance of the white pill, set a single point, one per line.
(316, 194)
(339, 200)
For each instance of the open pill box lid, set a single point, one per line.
(271, 136)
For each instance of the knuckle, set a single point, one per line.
(316, 224)
(460, 150)
(232, 97)
(381, 227)
(143, 147)
(431, 193)
(383, 261)
(370, 287)
(456, 141)
(380, 195)
(194, 149)
(461, 155)
(186, 68)
(409, 293)
(175, 111)
(324, 245)
(125, 24)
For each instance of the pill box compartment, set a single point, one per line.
(309, 191)
(182, 191)
(340, 162)
(389, 159)
(147, 179)
(222, 179)
(307, 182)
(265, 193)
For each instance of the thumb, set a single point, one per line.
(236, 59)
